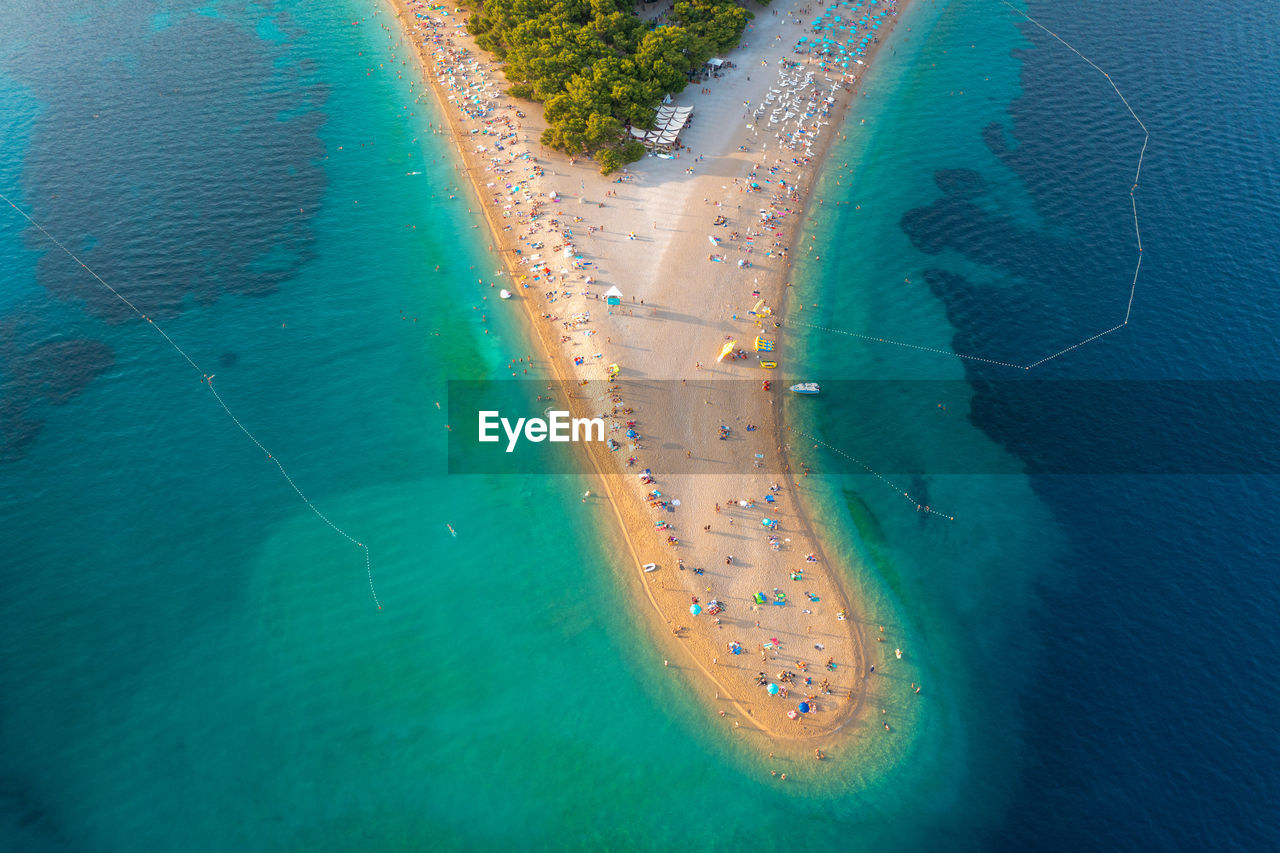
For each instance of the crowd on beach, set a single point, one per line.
(547, 239)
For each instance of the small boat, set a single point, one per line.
(650, 567)
(806, 388)
(505, 294)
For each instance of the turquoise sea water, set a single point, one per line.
(193, 660)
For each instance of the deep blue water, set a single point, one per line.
(1144, 671)
(1151, 719)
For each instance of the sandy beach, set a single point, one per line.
(694, 244)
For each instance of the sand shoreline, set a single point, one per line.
(687, 639)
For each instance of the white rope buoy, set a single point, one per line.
(1137, 233)
(207, 380)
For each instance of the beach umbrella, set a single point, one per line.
(695, 609)
(726, 349)
(632, 433)
(803, 707)
(773, 690)
(791, 715)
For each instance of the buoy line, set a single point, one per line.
(207, 380)
(920, 506)
(1137, 233)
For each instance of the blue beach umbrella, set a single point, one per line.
(695, 609)
(803, 707)
(773, 690)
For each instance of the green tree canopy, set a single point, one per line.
(595, 65)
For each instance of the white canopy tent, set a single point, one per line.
(667, 124)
